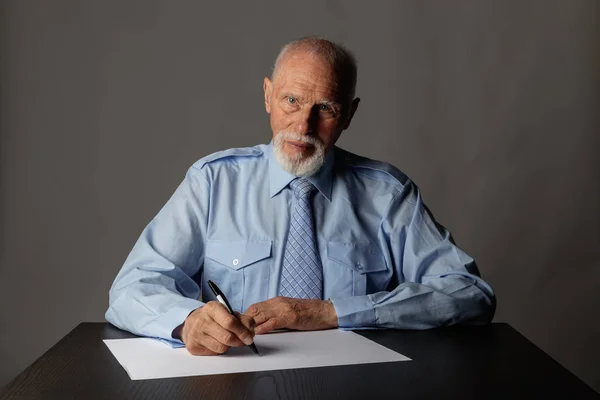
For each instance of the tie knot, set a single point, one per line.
(302, 187)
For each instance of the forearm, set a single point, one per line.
(151, 295)
(150, 306)
(434, 283)
(154, 291)
(440, 302)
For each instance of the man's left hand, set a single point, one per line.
(300, 314)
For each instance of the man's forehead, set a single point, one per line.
(307, 71)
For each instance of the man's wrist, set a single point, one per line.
(332, 319)
(355, 311)
(176, 334)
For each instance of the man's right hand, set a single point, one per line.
(211, 330)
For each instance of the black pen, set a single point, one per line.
(223, 300)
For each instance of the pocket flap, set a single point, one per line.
(363, 259)
(238, 254)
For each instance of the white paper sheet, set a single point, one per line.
(145, 358)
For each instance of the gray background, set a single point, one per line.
(490, 106)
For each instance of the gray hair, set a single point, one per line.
(341, 59)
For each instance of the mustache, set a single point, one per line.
(297, 137)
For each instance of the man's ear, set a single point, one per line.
(267, 87)
(353, 108)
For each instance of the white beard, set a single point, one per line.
(297, 164)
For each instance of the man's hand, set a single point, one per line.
(211, 330)
(300, 314)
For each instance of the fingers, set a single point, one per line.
(271, 314)
(269, 325)
(222, 335)
(247, 321)
(232, 324)
(213, 344)
(301, 314)
(259, 317)
(253, 310)
(196, 348)
(211, 330)
(263, 311)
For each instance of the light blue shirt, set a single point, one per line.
(386, 262)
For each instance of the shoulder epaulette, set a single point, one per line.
(228, 154)
(373, 168)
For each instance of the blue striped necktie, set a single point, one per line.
(302, 273)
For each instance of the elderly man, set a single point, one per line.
(298, 234)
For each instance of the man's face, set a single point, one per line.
(308, 110)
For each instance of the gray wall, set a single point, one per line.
(490, 106)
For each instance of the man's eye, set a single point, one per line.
(327, 109)
(291, 100)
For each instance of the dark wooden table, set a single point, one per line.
(491, 362)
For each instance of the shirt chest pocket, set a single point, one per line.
(240, 268)
(355, 270)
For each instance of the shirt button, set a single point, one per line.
(359, 265)
(236, 261)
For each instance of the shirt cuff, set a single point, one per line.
(172, 343)
(354, 312)
(163, 326)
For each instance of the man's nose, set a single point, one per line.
(307, 121)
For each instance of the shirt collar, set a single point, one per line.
(279, 178)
